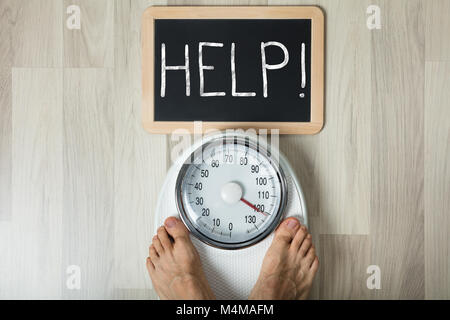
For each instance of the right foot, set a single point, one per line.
(174, 264)
(289, 266)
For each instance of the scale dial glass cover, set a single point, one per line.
(230, 193)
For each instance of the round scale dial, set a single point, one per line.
(230, 193)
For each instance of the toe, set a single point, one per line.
(164, 238)
(286, 231)
(306, 244)
(309, 258)
(315, 266)
(153, 254)
(150, 266)
(157, 244)
(299, 237)
(311, 273)
(176, 229)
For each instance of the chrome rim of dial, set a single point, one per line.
(234, 196)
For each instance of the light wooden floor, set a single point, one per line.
(79, 177)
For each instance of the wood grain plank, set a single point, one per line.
(139, 160)
(7, 13)
(89, 180)
(397, 207)
(135, 294)
(5, 142)
(344, 143)
(437, 24)
(293, 3)
(216, 2)
(30, 246)
(93, 44)
(37, 36)
(437, 180)
(344, 260)
(302, 153)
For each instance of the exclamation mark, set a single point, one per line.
(303, 69)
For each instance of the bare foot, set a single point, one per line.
(289, 266)
(174, 264)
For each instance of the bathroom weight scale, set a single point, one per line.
(231, 190)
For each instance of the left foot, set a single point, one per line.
(174, 264)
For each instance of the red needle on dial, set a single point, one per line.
(253, 206)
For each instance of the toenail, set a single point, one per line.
(292, 223)
(170, 223)
(309, 236)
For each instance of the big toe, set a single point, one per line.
(176, 228)
(286, 231)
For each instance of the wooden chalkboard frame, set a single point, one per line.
(217, 12)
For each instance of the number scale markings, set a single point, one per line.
(258, 200)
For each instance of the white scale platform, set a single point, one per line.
(231, 273)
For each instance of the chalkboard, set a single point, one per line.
(233, 67)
